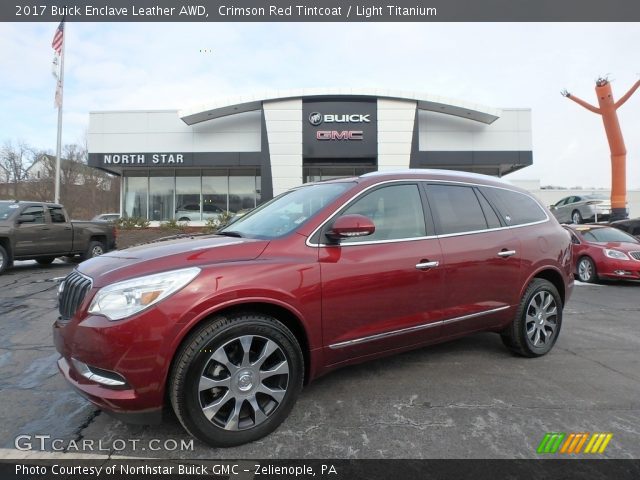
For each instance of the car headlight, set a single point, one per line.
(615, 254)
(124, 299)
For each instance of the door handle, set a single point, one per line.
(426, 265)
(506, 253)
(67, 228)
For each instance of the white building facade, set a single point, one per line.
(236, 153)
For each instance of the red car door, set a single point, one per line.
(382, 292)
(482, 259)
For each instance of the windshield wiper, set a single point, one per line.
(230, 233)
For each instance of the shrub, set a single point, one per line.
(174, 224)
(128, 223)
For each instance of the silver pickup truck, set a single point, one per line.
(43, 231)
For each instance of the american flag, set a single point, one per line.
(58, 38)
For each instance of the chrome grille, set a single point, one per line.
(73, 290)
(635, 255)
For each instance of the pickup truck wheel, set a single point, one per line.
(536, 327)
(95, 249)
(45, 260)
(5, 261)
(235, 379)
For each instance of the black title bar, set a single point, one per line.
(325, 11)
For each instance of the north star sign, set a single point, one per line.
(142, 158)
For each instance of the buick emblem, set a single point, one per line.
(315, 119)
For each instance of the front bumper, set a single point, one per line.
(114, 402)
(619, 269)
(138, 349)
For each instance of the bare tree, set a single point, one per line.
(15, 161)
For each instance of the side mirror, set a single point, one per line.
(26, 219)
(552, 207)
(349, 226)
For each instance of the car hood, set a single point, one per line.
(622, 246)
(168, 255)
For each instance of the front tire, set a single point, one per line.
(587, 272)
(576, 217)
(538, 320)
(235, 379)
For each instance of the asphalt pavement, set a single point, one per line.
(468, 398)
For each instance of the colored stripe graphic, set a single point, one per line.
(598, 443)
(551, 442)
(572, 443)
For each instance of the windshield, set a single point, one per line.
(7, 209)
(286, 212)
(608, 235)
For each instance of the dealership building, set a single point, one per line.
(235, 153)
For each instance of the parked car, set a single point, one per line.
(238, 215)
(580, 209)
(106, 217)
(600, 251)
(229, 327)
(43, 231)
(631, 226)
(191, 212)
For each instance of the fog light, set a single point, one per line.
(99, 375)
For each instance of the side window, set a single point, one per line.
(36, 211)
(56, 215)
(516, 208)
(396, 212)
(456, 209)
(489, 213)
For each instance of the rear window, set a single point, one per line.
(516, 208)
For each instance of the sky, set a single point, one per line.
(129, 66)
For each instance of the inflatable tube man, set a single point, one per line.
(608, 112)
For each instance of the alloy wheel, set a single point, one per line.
(243, 382)
(585, 270)
(541, 318)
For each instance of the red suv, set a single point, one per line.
(227, 328)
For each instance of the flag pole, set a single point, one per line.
(59, 142)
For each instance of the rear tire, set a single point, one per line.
(235, 379)
(95, 249)
(5, 260)
(535, 329)
(45, 260)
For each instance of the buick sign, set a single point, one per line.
(338, 129)
(316, 118)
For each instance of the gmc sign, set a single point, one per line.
(343, 135)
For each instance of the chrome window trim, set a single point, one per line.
(425, 326)
(428, 237)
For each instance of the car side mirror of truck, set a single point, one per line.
(26, 219)
(349, 226)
